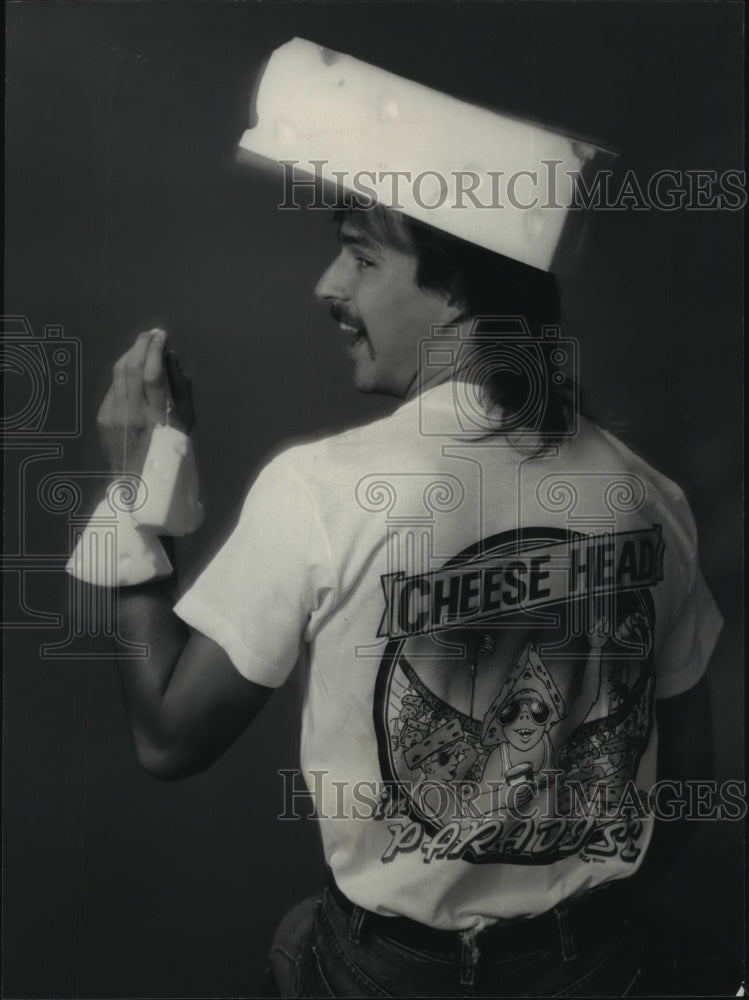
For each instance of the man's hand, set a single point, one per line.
(599, 633)
(633, 625)
(148, 388)
(186, 701)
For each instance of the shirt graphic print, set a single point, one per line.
(515, 697)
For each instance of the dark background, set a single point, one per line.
(123, 207)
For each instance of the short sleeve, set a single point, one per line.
(261, 593)
(689, 643)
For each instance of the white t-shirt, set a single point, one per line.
(485, 633)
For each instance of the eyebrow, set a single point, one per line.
(357, 239)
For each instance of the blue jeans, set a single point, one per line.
(320, 950)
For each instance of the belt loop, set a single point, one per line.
(356, 923)
(469, 956)
(566, 935)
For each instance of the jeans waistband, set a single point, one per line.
(561, 928)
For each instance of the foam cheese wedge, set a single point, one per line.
(168, 502)
(112, 552)
(497, 181)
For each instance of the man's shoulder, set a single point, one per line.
(356, 445)
(603, 451)
(629, 486)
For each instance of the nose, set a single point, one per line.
(332, 283)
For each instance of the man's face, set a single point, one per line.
(524, 733)
(442, 766)
(372, 292)
(525, 722)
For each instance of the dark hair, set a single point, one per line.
(485, 284)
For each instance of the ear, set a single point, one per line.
(457, 308)
(451, 306)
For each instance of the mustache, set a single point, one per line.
(342, 315)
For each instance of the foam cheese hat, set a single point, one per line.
(499, 182)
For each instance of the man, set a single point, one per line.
(444, 759)
(361, 555)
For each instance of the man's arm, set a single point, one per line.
(186, 701)
(591, 684)
(685, 753)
